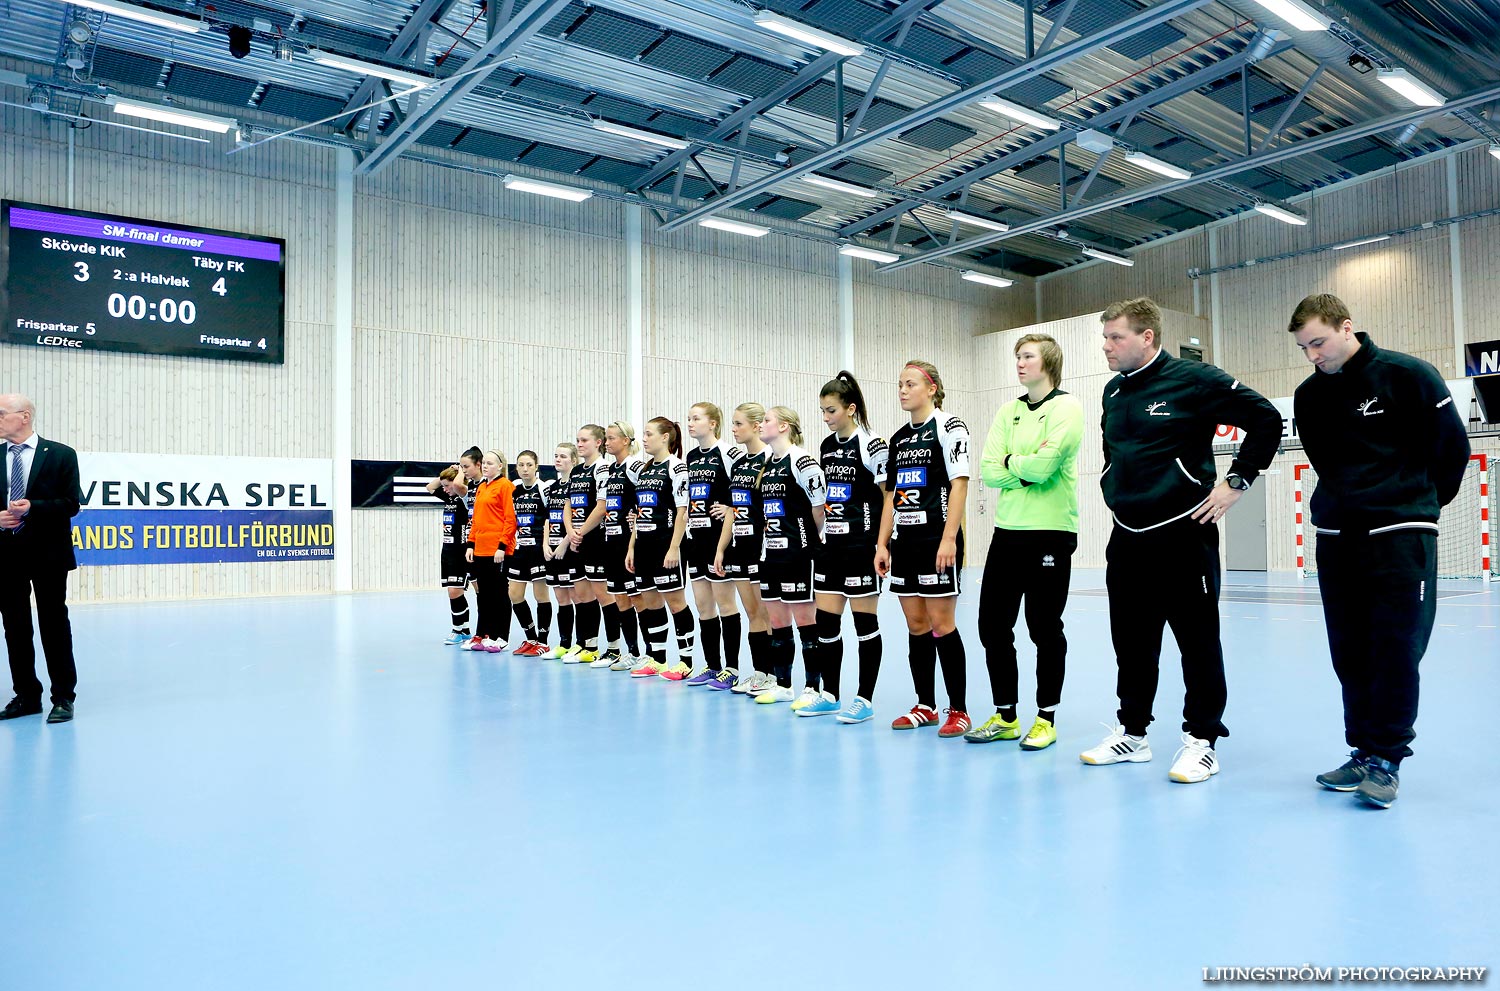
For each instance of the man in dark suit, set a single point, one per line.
(36, 554)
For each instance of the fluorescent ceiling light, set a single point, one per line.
(556, 190)
(785, 26)
(172, 115)
(959, 217)
(1495, 151)
(735, 227)
(1105, 256)
(1363, 240)
(187, 25)
(855, 251)
(1298, 14)
(1410, 87)
(364, 68)
(1143, 161)
(1280, 213)
(988, 280)
(1017, 112)
(841, 187)
(650, 137)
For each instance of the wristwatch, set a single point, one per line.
(1236, 481)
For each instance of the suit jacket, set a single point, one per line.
(45, 540)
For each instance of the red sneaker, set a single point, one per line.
(474, 643)
(957, 723)
(920, 715)
(532, 648)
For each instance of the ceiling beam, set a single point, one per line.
(507, 40)
(1297, 149)
(1131, 26)
(1042, 146)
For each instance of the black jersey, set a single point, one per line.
(470, 494)
(559, 498)
(708, 483)
(585, 488)
(661, 492)
(619, 497)
(744, 497)
(925, 458)
(855, 470)
(531, 513)
(791, 486)
(455, 518)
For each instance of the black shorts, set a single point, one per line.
(592, 555)
(914, 570)
(526, 565)
(787, 581)
(455, 568)
(846, 571)
(699, 556)
(652, 576)
(618, 581)
(562, 572)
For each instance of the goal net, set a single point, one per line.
(1464, 538)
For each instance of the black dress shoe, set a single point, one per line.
(62, 712)
(18, 707)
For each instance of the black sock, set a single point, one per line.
(1006, 712)
(522, 610)
(543, 621)
(921, 653)
(1048, 714)
(611, 623)
(830, 649)
(731, 627)
(588, 624)
(710, 640)
(458, 611)
(812, 659)
(783, 650)
(654, 633)
(682, 625)
(628, 627)
(760, 651)
(565, 625)
(871, 646)
(950, 650)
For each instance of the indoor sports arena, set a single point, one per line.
(724, 493)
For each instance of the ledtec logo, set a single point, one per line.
(58, 342)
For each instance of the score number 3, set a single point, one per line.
(82, 271)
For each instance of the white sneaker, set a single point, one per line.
(495, 646)
(624, 663)
(1118, 748)
(571, 657)
(808, 697)
(1195, 761)
(604, 660)
(763, 683)
(639, 663)
(774, 694)
(746, 684)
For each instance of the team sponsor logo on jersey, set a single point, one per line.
(855, 581)
(840, 492)
(912, 518)
(911, 476)
(645, 498)
(525, 519)
(776, 543)
(698, 490)
(774, 508)
(927, 579)
(1158, 409)
(556, 515)
(579, 500)
(739, 497)
(908, 497)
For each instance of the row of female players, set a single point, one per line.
(757, 528)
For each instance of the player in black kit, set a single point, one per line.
(854, 464)
(709, 462)
(527, 566)
(791, 500)
(738, 556)
(921, 543)
(624, 590)
(563, 571)
(450, 488)
(655, 554)
(586, 491)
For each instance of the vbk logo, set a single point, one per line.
(612, 503)
(911, 476)
(739, 497)
(556, 516)
(525, 519)
(840, 491)
(645, 498)
(698, 490)
(774, 508)
(579, 500)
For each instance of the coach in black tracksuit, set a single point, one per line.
(1390, 449)
(1163, 554)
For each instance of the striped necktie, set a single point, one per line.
(17, 474)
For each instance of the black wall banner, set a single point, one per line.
(403, 484)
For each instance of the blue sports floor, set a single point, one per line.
(314, 793)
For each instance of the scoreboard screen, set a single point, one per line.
(90, 281)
